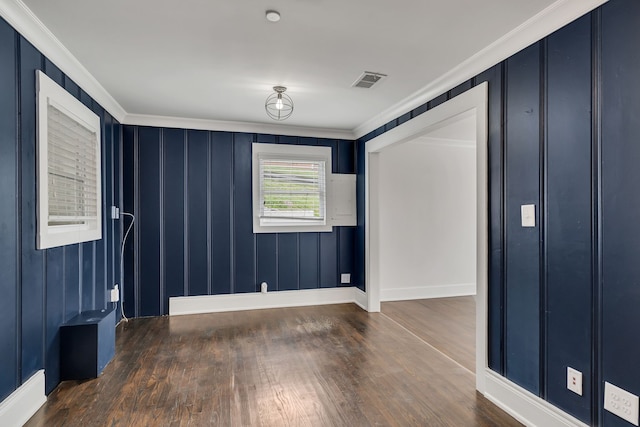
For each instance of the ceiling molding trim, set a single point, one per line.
(25, 22)
(232, 126)
(554, 17)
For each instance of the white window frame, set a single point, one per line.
(289, 152)
(53, 235)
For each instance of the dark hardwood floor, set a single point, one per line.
(315, 366)
(448, 324)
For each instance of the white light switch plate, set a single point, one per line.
(621, 403)
(528, 215)
(345, 278)
(574, 380)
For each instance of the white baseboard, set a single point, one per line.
(16, 409)
(360, 298)
(524, 406)
(258, 301)
(426, 292)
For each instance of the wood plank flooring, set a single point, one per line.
(448, 324)
(314, 366)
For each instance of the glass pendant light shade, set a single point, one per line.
(279, 105)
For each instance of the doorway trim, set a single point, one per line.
(471, 102)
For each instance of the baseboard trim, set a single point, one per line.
(257, 301)
(427, 292)
(16, 409)
(524, 406)
(360, 299)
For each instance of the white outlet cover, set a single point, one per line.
(345, 278)
(574, 380)
(621, 403)
(528, 215)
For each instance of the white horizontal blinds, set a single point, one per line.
(72, 173)
(293, 190)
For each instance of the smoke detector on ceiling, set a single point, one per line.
(368, 79)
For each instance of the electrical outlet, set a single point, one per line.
(574, 380)
(345, 278)
(621, 403)
(528, 215)
(115, 212)
(115, 294)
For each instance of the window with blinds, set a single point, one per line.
(69, 208)
(290, 188)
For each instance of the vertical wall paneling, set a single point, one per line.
(197, 190)
(129, 140)
(596, 223)
(149, 174)
(222, 248)
(620, 198)
(9, 230)
(108, 225)
(346, 251)
(41, 289)
(244, 241)
(328, 262)
(568, 215)
(522, 244)
(438, 100)
(32, 277)
(54, 316)
(308, 250)
(173, 213)
(288, 262)
(267, 259)
(99, 279)
(199, 203)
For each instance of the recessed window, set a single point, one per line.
(69, 195)
(290, 188)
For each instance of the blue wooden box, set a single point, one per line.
(87, 344)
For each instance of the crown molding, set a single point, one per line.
(25, 22)
(552, 18)
(232, 126)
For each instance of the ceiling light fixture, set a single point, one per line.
(279, 105)
(272, 15)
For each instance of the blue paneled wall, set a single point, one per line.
(564, 132)
(191, 193)
(41, 289)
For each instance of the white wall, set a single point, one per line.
(427, 219)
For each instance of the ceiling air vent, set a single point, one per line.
(368, 79)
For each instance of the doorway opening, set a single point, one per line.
(396, 257)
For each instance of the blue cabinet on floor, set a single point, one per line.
(87, 344)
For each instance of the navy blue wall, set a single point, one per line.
(41, 289)
(564, 129)
(191, 193)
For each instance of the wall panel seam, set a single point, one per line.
(544, 83)
(209, 219)
(596, 227)
(161, 213)
(18, 60)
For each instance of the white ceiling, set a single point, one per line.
(217, 60)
